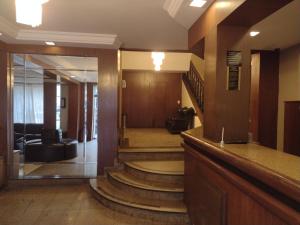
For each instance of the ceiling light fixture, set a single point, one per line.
(73, 76)
(254, 33)
(51, 43)
(29, 12)
(157, 58)
(198, 3)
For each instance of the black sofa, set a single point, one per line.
(51, 147)
(182, 121)
(26, 132)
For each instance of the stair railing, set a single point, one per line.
(196, 84)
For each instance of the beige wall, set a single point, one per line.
(173, 62)
(289, 85)
(199, 65)
(187, 102)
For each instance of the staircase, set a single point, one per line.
(194, 84)
(147, 185)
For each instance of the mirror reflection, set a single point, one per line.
(55, 116)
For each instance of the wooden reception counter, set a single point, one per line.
(239, 184)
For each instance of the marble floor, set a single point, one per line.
(78, 167)
(151, 137)
(57, 205)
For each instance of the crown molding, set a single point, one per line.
(103, 40)
(172, 6)
(8, 28)
(69, 37)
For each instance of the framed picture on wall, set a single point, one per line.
(63, 103)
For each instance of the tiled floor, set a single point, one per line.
(56, 205)
(151, 137)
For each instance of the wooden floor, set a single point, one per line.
(151, 137)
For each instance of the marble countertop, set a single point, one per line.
(277, 163)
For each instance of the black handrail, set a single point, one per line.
(196, 84)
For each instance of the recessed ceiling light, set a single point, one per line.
(73, 76)
(254, 33)
(50, 43)
(198, 3)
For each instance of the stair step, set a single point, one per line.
(165, 172)
(159, 167)
(126, 178)
(134, 154)
(150, 150)
(168, 212)
(144, 189)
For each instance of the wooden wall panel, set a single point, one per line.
(236, 201)
(292, 127)
(6, 132)
(254, 96)
(108, 135)
(150, 98)
(89, 116)
(268, 98)
(81, 112)
(73, 113)
(50, 105)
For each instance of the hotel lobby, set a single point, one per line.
(162, 112)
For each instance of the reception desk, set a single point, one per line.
(239, 184)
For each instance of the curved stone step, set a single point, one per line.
(142, 188)
(165, 212)
(170, 153)
(165, 172)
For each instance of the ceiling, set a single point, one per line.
(279, 30)
(141, 24)
(82, 69)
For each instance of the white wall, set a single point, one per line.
(289, 85)
(173, 62)
(187, 102)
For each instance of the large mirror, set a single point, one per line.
(54, 116)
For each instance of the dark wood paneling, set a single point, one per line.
(50, 105)
(73, 110)
(244, 16)
(277, 181)
(108, 109)
(89, 113)
(268, 98)
(6, 132)
(81, 112)
(223, 108)
(150, 98)
(210, 19)
(292, 127)
(254, 96)
(246, 203)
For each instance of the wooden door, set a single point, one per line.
(292, 127)
(150, 98)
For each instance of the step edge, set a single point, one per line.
(129, 164)
(93, 185)
(161, 189)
